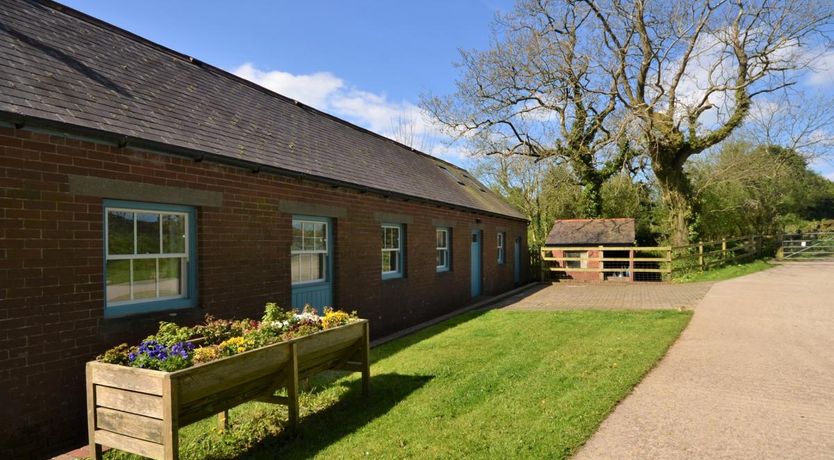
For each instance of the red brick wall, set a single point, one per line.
(51, 290)
(580, 276)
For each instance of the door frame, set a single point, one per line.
(329, 276)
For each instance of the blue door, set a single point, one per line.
(312, 262)
(517, 261)
(476, 263)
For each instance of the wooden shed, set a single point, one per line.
(583, 242)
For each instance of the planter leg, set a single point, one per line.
(223, 420)
(95, 449)
(170, 415)
(292, 387)
(366, 362)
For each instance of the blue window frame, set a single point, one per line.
(443, 257)
(502, 252)
(149, 257)
(392, 251)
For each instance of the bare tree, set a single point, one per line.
(542, 90)
(802, 122)
(689, 71)
(405, 129)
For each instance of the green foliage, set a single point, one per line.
(724, 273)
(215, 330)
(170, 334)
(117, 355)
(745, 189)
(300, 331)
(272, 312)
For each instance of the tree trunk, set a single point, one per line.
(675, 192)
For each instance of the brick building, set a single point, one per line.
(584, 240)
(140, 185)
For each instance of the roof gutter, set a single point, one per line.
(21, 121)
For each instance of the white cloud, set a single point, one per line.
(402, 121)
(313, 90)
(822, 71)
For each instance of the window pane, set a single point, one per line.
(170, 277)
(309, 237)
(147, 233)
(118, 280)
(296, 268)
(395, 238)
(296, 236)
(441, 258)
(144, 278)
(322, 264)
(312, 266)
(119, 232)
(173, 234)
(386, 238)
(319, 235)
(317, 265)
(386, 262)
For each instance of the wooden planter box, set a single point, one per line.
(141, 410)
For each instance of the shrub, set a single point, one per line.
(170, 334)
(206, 354)
(335, 318)
(117, 355)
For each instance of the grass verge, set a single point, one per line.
(485, 385)
(725, 273)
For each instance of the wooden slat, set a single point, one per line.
(129, 401)
(135, 426)
(611, 270)
(197, 382)
(272, 399)
(607, 248)
(226, 399)
(128, 378)
(605, 259)
(128, 444)
(332, 337)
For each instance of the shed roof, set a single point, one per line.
(619, 231)
(61, 67)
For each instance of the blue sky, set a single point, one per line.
(367, 61)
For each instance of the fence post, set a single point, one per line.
(542, 266)
(631, 265)
(723, 249)
(601, 265)
(701, 255)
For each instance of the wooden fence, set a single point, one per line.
(653, 263)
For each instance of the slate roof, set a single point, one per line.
(61, 66)
(592, 232)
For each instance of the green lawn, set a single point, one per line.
(724, 273)
(485, 385)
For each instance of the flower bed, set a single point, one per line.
(139, 397)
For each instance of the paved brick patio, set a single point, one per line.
(609, 296)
